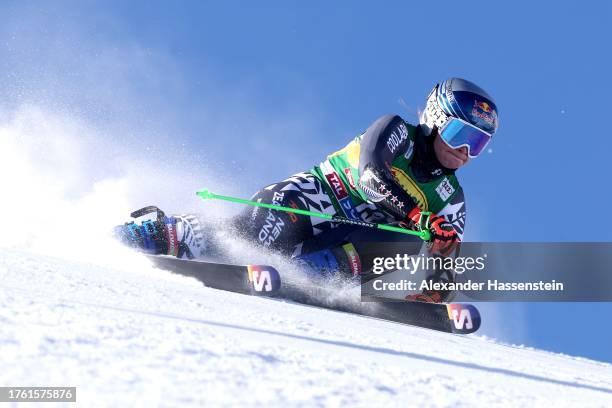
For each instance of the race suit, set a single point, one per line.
(380, 176)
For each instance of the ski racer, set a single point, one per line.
(389, 174)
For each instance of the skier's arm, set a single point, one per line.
(384, 140)
(454, 212)
(453, 216)
(446, 226)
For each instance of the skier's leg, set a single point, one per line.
(352, 252)
(282, 231)
(384, 244)
(188, 236)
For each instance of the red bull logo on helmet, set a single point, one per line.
(483, 106)
(485, 112)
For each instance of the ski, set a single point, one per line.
(459, 318)
(264, 280)
(248, 279)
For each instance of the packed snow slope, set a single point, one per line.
(132, 335)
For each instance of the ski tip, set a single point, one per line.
(464, 318)
(204, 194)
(263, 279)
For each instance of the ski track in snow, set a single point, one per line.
(143, 337)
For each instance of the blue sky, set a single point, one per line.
(255, 91)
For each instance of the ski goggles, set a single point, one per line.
(457, 133)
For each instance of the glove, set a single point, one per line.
(444, 238)
(161, 235)
(429, 296)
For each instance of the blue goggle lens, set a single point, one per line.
(457, 133)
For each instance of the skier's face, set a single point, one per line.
(449, 157)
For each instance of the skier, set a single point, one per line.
(389, 174)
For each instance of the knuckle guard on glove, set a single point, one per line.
(444, 238)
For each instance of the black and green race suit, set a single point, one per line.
(379, 177)
(386, 171)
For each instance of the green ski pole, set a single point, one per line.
(424, 221)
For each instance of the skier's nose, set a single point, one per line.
(463, 150)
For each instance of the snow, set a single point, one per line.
(126, 334)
